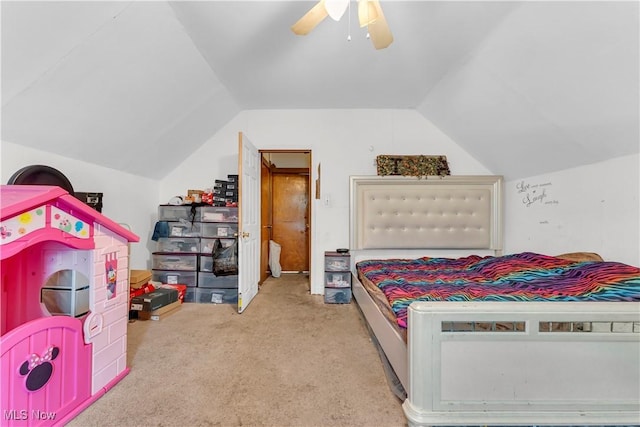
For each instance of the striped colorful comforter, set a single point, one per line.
(519, 277)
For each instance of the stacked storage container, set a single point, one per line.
(337, 278)
(176, 257)
(219, 230)
(186, 255)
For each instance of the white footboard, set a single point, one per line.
(523, 363)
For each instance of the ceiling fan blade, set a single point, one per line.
(379, 31)
(309, 21)
(367, 12)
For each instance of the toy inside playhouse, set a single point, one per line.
(63, 304)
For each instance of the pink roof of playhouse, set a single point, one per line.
(16, 199)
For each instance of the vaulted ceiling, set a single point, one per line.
(524, 87)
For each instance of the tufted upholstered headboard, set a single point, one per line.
(452, 212)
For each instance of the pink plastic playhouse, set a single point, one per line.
(63, 305)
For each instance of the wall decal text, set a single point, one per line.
(535, 194)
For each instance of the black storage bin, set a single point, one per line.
(92, 199)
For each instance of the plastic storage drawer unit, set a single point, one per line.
(337, 277)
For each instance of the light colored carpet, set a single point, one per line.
(288, 360)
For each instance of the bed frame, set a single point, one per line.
(562, 363)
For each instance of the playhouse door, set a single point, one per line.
(45, 370)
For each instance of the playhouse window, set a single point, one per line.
(66, 292)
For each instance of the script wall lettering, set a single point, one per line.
(533, 194)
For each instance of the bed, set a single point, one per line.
(508, 361)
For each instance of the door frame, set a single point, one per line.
(266, 204)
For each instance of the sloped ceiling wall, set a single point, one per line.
(553, 87)
(525, 87)
(94, 80)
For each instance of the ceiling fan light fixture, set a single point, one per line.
(336, 8)
(367, 12)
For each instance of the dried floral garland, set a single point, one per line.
(419, 166)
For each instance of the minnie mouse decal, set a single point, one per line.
(39, 369)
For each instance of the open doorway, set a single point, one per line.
(286, 210)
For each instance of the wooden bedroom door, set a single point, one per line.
(265, 218)
(291, 219)
(249, 231)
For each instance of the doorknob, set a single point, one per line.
(245, 234)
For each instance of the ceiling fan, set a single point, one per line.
(369, 15)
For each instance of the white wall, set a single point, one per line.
(344, 142)
(127, 199)
(592, 208)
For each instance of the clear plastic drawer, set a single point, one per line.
(219, 229)
(337, 296)
(174, 262)
(185, 229)
(177, 244)
(338, 279)
(336, 262)
(189, 278)
(176, 212)
(206, 263)
(216, 296)
(207, 244)
(218, 214)
(209, 280)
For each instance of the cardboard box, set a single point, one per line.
(139, 278)
(154, 300)
(145, 289)
(160, 313)
(181, 288)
